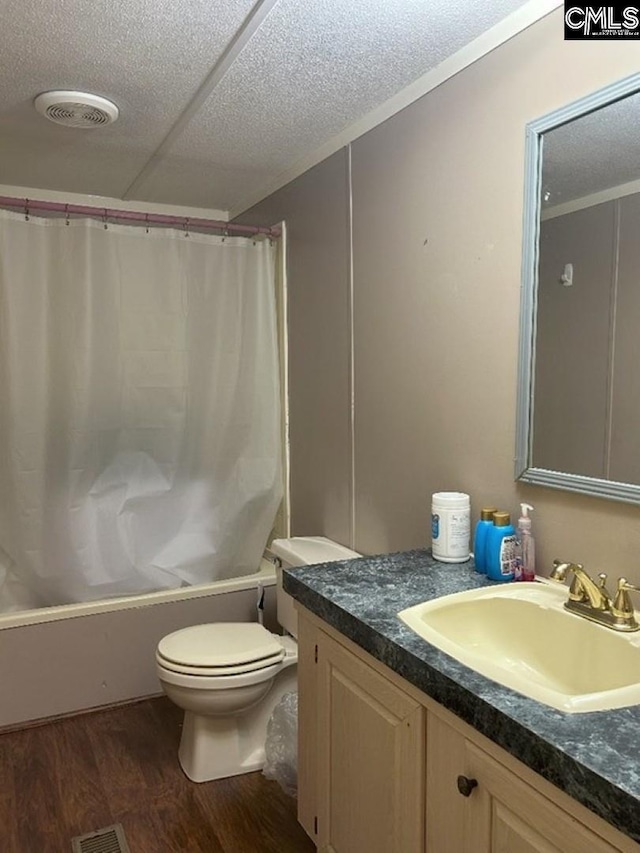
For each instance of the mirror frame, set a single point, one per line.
(524, 471)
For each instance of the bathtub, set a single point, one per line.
(60, 660)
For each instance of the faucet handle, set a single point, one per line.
(623, 583)
(622, 606)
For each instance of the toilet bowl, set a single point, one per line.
(229, 676)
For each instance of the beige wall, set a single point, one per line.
(315, 208)
(437, 201)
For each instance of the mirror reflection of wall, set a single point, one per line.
(586, 413)
(572, 342)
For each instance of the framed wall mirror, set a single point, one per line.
(578, 403)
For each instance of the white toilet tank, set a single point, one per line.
(302, 551)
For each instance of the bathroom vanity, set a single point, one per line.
(403, 748)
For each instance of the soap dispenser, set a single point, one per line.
(526, 547)
(501, 548)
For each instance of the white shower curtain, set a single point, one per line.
(139, 409)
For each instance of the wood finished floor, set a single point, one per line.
(73, 776)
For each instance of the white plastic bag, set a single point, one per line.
(281, 746)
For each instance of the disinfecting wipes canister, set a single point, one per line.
(450, 526)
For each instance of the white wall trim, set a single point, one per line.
(501, 32)
(39, 194)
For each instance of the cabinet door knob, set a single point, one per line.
(466, 785)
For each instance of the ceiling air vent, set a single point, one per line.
(76, 109)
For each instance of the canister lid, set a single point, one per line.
(450, 500)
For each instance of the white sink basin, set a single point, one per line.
(521, 636)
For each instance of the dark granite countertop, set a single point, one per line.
(593, 757)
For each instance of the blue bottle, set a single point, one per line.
(501, 548)
(480, 538)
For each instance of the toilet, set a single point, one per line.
(229, 676)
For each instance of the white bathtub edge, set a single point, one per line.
(266, 575)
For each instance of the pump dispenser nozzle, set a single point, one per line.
(524, 522)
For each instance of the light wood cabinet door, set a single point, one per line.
(501, 814)
(371, 758)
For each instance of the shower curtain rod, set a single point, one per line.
(105, 213)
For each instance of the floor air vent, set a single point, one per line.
(108, 840)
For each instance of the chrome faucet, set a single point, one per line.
(592, 600)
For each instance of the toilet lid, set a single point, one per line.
(222, 647)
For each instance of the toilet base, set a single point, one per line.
(216, 747)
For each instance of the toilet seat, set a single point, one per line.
(217, 672)
(197, 682)
(219, 650)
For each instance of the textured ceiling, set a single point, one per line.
(592, 153)
(217, 97)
